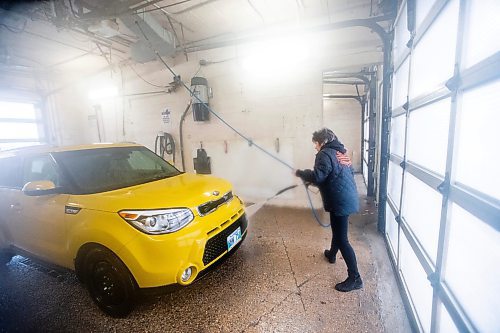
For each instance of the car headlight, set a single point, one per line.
(161, 221)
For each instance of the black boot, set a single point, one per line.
(328, 255)
(352, 282)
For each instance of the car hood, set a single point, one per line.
(184, 190)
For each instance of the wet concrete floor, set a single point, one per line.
(278, 281)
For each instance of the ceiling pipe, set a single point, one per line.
(107, 41)
(342, 82)
(370, 23)
(188, 9)
(167, 6)
(332, 96)
(108, 12)
(339, 75)
(167, 14)
(72, 59)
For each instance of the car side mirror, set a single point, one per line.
(39, 187)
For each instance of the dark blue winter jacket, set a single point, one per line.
(334, 180)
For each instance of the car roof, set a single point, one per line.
(53, 148)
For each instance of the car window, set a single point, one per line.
(10, 175)
(105, 169)
(139, 161)
(40, 168)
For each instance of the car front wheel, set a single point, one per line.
(109, 282)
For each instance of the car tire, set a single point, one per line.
(109, 282)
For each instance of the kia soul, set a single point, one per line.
(121, 217)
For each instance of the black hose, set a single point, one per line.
(169, 146)
(165, 144)
(312, 207)
(180, 135)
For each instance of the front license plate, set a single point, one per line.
(234, 238)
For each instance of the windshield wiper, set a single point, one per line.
(164, 176)
(158, 177)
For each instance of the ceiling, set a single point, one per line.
(50, 34)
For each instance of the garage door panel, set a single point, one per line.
(416, 281)
(422, 10)
(15, 131)
(446, 324)
(365, 172)
(421, 209)
(392, 231)
(427, 74)
(448, 232)
(400, 85)
(482, 31)
(472, 269)
(394, 182)
(428, 129)
(10, 110)
(365, 150)
(401, 35)
(478, 159)
(398, 127)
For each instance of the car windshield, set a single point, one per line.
(106, 169)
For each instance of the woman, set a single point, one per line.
(334, 177)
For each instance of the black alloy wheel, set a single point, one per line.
(109, 282)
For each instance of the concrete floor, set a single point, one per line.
(278, 281)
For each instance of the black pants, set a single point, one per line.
(340, 242)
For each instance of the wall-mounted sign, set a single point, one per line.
(165, 116)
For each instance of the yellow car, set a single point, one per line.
(120, 216)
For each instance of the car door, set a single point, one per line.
(39, 221)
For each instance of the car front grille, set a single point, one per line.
(210, 206)
(217, 245)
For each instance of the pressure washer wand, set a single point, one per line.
(251, 210)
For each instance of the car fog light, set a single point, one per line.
(186, 275)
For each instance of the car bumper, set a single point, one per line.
(160, 260)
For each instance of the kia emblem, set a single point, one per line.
(216, 193)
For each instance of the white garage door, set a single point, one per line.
(21, 124)
(443, 207)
